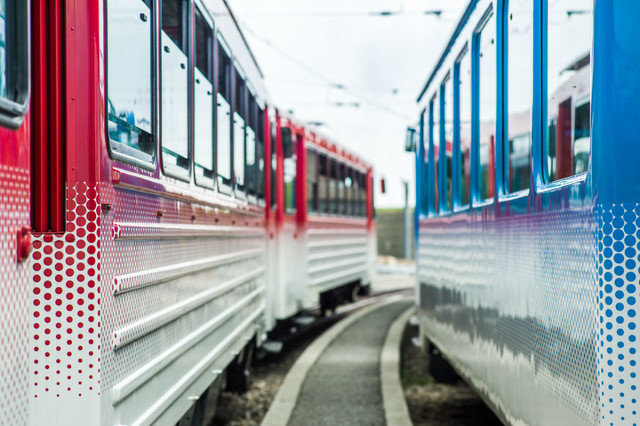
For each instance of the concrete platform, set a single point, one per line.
(337, 380)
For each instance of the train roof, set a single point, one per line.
(322, 143)
(227, 28)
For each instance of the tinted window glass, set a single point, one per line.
(174, 91)
(290, 161)
(435, 147)
(323, 183)
(447, 144)
(223, 118)
(312, 181)
(260, 154)
(14, 60)
(130, 96)
(463, 72)
(519, 92)
(569, 77)
(251, 149)
(333, 186)
(239, 118)
(203, 99)
(488, 107)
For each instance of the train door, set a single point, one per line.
(15, 210)
(289, 288)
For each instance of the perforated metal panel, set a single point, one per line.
(511, 300)
(14, 290)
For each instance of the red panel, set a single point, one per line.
(40, 219)
(267, 163)
(279, 172)
(57, 110)
(301, 180)
(48, 106)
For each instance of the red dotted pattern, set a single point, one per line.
(65, 299)
(14, 289)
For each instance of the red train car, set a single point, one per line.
(323, 223)
(136, 194)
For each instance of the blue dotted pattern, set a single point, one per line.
(618, 283)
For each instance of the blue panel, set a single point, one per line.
(615, 110)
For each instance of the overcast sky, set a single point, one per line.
(306, 47)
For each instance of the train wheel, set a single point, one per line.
(365, 290)
(239, 373)
(440, 369)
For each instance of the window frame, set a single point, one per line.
(543, 179)
(444, 194)
(177, 172)
(133, 156)
(457, 157)
(223, 184)
(239, 106)
(13, 110)
(502, 131)
(476, 172)
(315, 201)
(251, 185)
(433, 170)
(204, 181)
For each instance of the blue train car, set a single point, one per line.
(528, 209)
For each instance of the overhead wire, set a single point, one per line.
(329, 82)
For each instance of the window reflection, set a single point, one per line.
(175, 135)
(323, 182)
(290, 164)
(435, 144)
(129, 78)
(447, 144)
(488, 107)
(519, 92)
(312, 180)
(569, 76)
(464, 92)
(223, 118)
(203, 99)
(333, 186)
(239, 131)
(3, 48)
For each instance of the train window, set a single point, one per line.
(312, 181)
(570, 35)
(129, 83)
(486, 42)
(174, 90)
(239, 118)
(434, 146)
(223, 117)
(290, 165)
(349, 183)
(362, 198)
(355, 209)
(260, 153)
(462, 73)
(341, 189)
(447, 143)
(14, 62)
(519, 64)
(323, 183)
(333, 186)
(250, 168)
(203, 101)
(424, 151)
